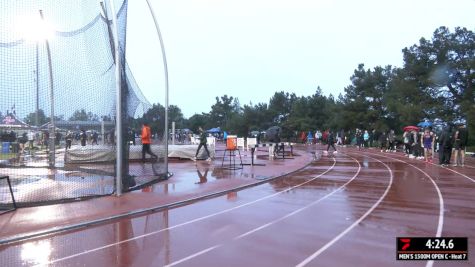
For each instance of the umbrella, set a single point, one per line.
(424, 124)
(273, 134)
(255, 133)
(410, 128)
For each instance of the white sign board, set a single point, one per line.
(240, 142)
(251, 142)
(211, 140)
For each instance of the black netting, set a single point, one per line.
(82, 161)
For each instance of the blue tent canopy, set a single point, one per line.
(214, 130)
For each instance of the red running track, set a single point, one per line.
(342, 210)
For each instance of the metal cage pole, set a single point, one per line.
(165, 68)
(52, 135)
(37, 123)
(118, 111)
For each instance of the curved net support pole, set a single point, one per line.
(165, 68)
(52, 128)
(118, 126)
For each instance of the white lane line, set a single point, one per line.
(305, 207)
(440, 224)
(338, 237)
(191, 221)
(275, 221)
(471, 179)
(192, 256)
(452, 170)
(441, 199)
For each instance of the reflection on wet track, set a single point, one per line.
(341, 210)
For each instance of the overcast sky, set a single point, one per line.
(250, 49)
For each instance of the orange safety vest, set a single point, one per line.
(146, 135)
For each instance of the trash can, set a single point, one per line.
(5, 147)
(231, 142)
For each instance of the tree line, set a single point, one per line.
(435, 83)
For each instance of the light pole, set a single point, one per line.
(165, 68)
(52, 150)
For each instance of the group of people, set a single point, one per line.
(83, 137)
(28, 139)
(418, 144)
(146, 137)
(452, 144)
(182, 137)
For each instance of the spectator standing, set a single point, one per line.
(407, 144)
(31, 139)
(309, 138)
(427, 143)
(22, 141)
(83, 137)
(434, 139)
(382, 141)
(460, 140)
(95, 136)
(366, 138)
(359, 138)
(445, 147)
(391, 141)
(69, 139)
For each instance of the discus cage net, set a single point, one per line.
(58, 105)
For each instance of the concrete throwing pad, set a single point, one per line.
(101, 153)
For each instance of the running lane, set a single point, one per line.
(342, 211)
(457, 189)
(158, 238)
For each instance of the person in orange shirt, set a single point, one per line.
(146, 141)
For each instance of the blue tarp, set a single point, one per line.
(214, 130)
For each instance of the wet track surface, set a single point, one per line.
(342, 210)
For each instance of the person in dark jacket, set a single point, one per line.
(359, 138)
(383, 139)
(391, 141)
(445, 146)
(83, 137)
(69, 140)
(203, 143)
(331, 141)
